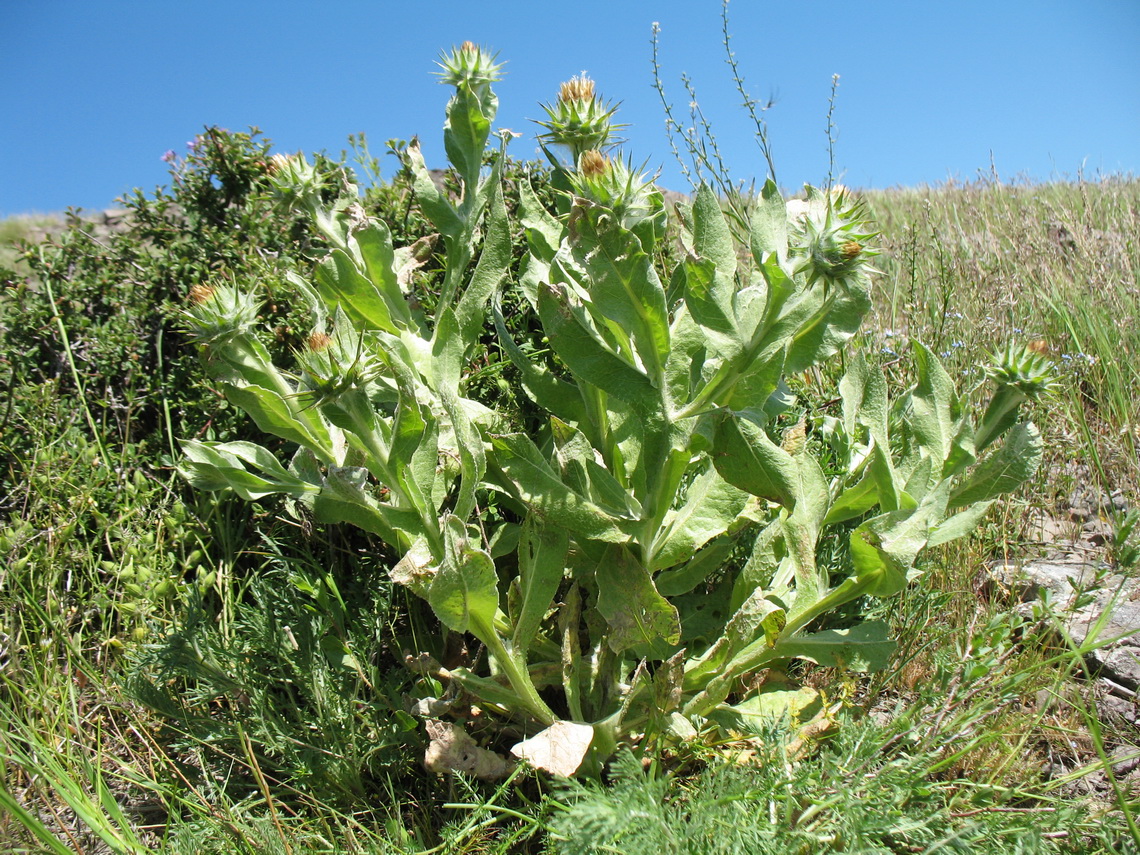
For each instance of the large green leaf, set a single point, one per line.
(768, 227)
(865, 647)
(578, 463)
(588, 357)
(346, 497)
(684, 369)
(274, 415)
(711, 309)
(959, 525)
(687, 576)
(342, 284)
(711, 506)
(472, 454)
(864, 394)
(374, 241)
(553, 394)
(542, 561)
(746, 457)
(712, 240)
(464, 594)
(531, 480)
(217, 466)
(1005, 469)
(467, 128)
(774, 704)
(623, 284)
(757, 618)
(710, 284)
(854, 501)
(634, 611)
(825, 321)
(414, 451)
(935, 414)
(884, 548)
(491, 269)
(429, 197)
(543, 231)
(756, 389)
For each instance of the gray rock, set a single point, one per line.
(1106, 618)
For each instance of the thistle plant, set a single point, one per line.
(667, 531)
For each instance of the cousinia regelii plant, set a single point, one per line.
(609, 589)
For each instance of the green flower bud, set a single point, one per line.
(218, 314)
(1024, 369)
(831, 236)
(294, 182)
(471, 65)
(336, 364)
(615, 184)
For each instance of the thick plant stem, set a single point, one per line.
(516, 675)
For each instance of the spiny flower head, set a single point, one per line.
(831, 236)
(579, 119)
(1024, 369)
(337, 363)
(219, 313)
(471, 65)
(615, 184)
(294, 182)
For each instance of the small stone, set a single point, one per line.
(1110, 706)
(1080, 512)
(1125, 759)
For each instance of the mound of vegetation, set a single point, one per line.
(511, 509)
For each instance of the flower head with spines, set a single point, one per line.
(220, 313)
(831, 237)
(469, 64)
(616, 184)
(1022, 368)
(579, 120)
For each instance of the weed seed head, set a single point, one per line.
(593, 164)
(318, 341)
(577, 89)
(200, 294)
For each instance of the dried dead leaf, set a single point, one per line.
(560, 749)
(452, 750)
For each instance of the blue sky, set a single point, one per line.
(95, 92)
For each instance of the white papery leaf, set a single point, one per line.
(559, 749)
